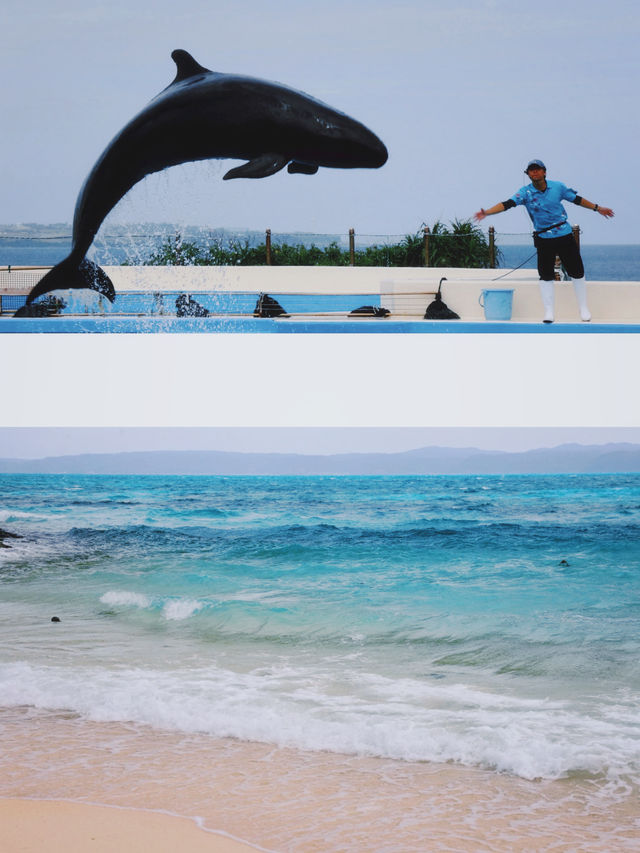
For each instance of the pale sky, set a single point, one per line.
(37, 443)
(463, 94)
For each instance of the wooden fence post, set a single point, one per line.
(576, 234)
(268, 246)
(492, 247)
(426, 247)
(352, 247)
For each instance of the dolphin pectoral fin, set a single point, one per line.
(301, 168)
(259, 167)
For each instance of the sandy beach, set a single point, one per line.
(277, 799)
(30, 826)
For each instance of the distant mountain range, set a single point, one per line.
(565, 459)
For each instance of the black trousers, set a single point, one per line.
(566, 249)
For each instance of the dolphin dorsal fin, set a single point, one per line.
(186, 65)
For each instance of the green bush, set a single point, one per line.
(463, 244)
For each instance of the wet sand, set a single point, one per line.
(289, 801)
(30, 826)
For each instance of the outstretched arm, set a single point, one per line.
(497, 208)
(604, 211)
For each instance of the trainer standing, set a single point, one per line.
(553, 234)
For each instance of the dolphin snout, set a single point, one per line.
(373, 150)
(380, 154)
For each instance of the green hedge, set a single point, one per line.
(462, 244)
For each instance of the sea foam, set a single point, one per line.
(287, 708)
(123, 598)
(181, 609)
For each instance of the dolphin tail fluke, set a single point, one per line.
(68, 274)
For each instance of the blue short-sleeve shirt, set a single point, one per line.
(545, 208)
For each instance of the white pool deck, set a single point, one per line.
(404, 291)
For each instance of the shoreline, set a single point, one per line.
(30, 826)
(281, 799)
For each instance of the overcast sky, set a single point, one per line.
(37, 443)
(463, 94)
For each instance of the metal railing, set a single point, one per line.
(271, 242)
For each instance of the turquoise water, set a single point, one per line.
(489, 621)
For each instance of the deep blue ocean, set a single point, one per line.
(602, 262)
(491, 621)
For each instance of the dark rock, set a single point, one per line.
(5, 534)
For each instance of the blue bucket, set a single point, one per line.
(497, 304)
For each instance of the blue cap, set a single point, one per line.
(538, 163)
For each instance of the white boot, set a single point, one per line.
(547, 293)
(580, 288)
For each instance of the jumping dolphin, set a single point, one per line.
(201, 115)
